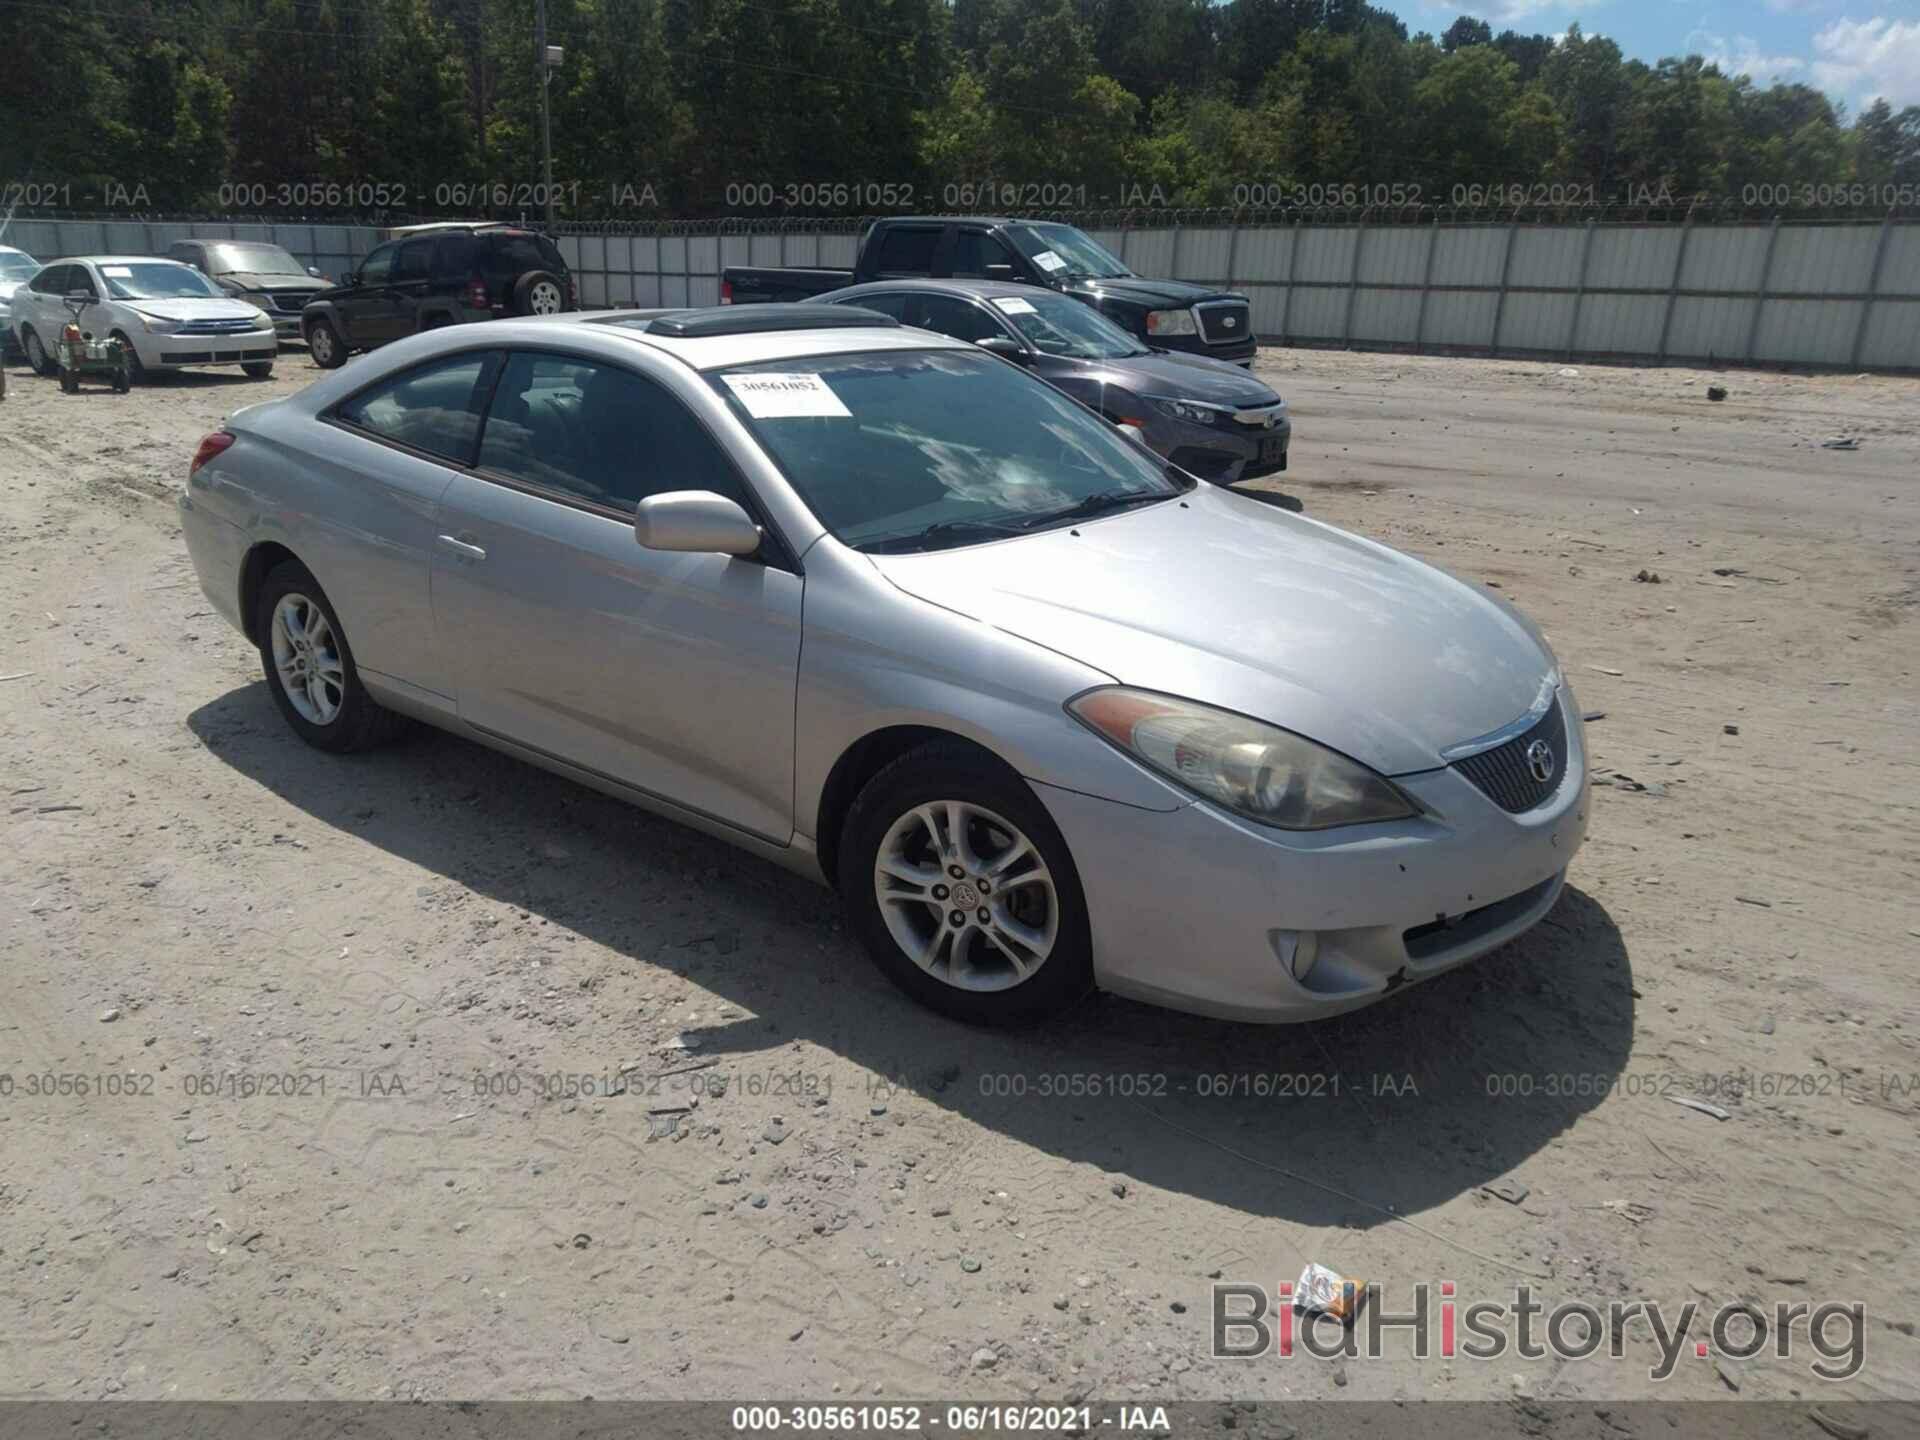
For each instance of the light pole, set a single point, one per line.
(548, 56)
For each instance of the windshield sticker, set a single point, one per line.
(1014, 305)
(786, 396)
(117, 272)
(1049, 261)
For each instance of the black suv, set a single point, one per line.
(433, 275)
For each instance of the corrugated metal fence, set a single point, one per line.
(1819, 293)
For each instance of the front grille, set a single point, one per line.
(215, 327)
(289, 302)
(1224, 321)
(1506, 775)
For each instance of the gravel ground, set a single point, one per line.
(427, 1074)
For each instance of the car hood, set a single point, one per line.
(1147, 294)
(7, 287)
(270, 280)
(200, 308)
(1188, 377)
(1240, 605)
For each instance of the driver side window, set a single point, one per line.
(377, 268)
(961, 319)
(598, 433)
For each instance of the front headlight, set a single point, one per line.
(1171, 322)
(1187, 410)
(1254, 769)
(156, 326)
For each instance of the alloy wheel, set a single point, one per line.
(966, 896)
(545, 298)
(307, 658)
(320, 345)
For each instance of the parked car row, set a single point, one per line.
(879, 605)
(223, 302)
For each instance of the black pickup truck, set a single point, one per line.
(1167, 314)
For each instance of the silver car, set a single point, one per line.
(878, 606)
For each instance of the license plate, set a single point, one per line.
(1272, 447)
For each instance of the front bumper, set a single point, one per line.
(1194, 908)
(170, 352)
(1223, 452)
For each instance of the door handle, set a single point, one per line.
(462, 549)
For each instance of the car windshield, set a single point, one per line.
(923, 449)
(155, 280)
(15, 265)
(1058, 325)
(1065, 250)
(253, 260)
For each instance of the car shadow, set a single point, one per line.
(1350, 1121)
(1278, 498)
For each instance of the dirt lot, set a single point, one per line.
(437, 946)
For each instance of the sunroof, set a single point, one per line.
(755, 319)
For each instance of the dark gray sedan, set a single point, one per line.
(1209, 417)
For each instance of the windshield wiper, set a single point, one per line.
(1101, 502)
(958, 532)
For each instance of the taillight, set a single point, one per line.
(726, 291)
(211, 446)
(477, 294)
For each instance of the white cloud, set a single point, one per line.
(1862, 60)
(1798, 7)
(1740, 55)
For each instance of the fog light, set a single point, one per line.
(1297, 949)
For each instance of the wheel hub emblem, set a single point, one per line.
(965, 896)
(1541, 761)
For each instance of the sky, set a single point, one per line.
(1854, 50)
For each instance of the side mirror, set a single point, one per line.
(1005, 348)
(79, 297)
(314, 271)
(697, 521)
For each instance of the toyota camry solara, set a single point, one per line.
(874, 604)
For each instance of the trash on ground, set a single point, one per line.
(1729, 729)
(1716, 392)
(1606, 670)
(1703, 1106)
(1840, 442)
(1593, 715)
(1511, 1191)
(1749, 900)
(1648, 577)
(1321, 1291)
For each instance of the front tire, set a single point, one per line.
(309, 666)
(258, 369)
(961, 887)
(326, 347)
(136, 371)
(37, 357)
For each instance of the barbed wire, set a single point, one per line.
(1700, 211)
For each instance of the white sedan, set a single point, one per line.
(168, 315)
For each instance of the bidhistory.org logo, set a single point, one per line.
(1250, 1323)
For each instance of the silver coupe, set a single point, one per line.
(1049, 714)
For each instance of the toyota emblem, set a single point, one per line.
(1541, 761)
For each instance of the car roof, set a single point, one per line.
(121, 260)
(400, 232)
(976, 289)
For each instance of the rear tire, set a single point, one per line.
(309, 666)
(324, 344)
(1005, 942)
